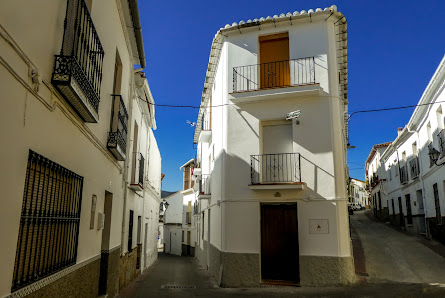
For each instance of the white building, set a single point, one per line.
(358, 195)
(272, 192)
(68, 98)
(413, 184)
(179, 220)
(374, 175)
(143, 193)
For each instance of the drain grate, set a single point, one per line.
(178, 287)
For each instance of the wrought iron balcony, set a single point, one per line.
(204, 185)
(414, 167)
(278, 74)
(403, 175)
(78, 69)
(137, 175)
(275, 168)
(117, 137)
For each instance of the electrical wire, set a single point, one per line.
(356, 112)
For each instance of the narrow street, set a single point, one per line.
(392, 256)
(398, 266)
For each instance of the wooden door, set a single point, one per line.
(279, 243)
(402, 217)
(274, 61)
(409, 216)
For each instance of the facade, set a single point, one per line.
(272, 193)
(179, 218)
(358, 195)
(412, 182)
(69, 97)
(374, 174)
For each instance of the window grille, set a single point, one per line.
(49, 222)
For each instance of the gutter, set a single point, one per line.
(137, 30)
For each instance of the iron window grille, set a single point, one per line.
(137, 179)
(441, 141)
(296, 72)
(275, 168)
(414, 167)
(404, 174)
(78, 69)
(430, 150)
(117, 137)
(49, 222)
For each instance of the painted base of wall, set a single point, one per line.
(84, 282)
(437, 231)
(128, 270)
(112, 271)
(243, 269)
(326, 271)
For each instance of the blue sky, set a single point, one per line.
(394, 48)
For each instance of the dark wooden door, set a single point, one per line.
(409, 215)
(279, 243)
(402, 217)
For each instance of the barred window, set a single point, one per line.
(49, 222)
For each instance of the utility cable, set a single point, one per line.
(356, 112)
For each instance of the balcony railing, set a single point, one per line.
(431, 150)
(197, 163)
(441, 141)
(205, 124)
(277, 74)
(78, 69)
(204, 185)
(137, 177)
(275, 168)
(403, 175)
(414, 167)
(117, 137)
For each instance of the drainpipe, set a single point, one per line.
(137, 30)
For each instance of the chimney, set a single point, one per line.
(399, 131)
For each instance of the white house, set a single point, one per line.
(140, 212)
(69, 104)
(374, 175)
(272, 191)
(413, 188)
(358, 195)
(179, 220)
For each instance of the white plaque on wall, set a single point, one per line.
(318, 226)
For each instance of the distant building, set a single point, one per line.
(411, 173)
(374, 175)
(179, 220)
(358, 194)
(271, 143)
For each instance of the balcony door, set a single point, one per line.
(274, 61)
(277, 161)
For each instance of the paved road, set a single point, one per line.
(392, 256)
(173, 276)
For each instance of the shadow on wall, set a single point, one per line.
(240, 173)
